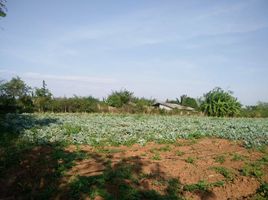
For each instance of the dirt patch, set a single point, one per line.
(172, 162)
(207, 168)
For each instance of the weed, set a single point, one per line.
(263, 190)
(227, 173)
(161, 149)
(190, 160)
(202, 186)
(238, 157)
(252, 169)
(180, 153)
(165, 148)
(195, 135)
(156, 156)
(220, 159)
(71, 129)
(264, 159)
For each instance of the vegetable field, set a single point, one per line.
(109, 129)
(132, 157)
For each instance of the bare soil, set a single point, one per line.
(171, 165)
(188, 161)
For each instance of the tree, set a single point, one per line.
(119, 98)
(16, 88)
(42, 97)
(3, 8)
(259, 110)
(15, 96)
(189, 101)
(220, 103)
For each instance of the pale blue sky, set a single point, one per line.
(159, 49)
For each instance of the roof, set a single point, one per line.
(174, 106)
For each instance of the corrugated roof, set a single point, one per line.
(173, 106)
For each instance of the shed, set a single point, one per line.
(171, 106)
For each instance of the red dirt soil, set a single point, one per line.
(188, 161)
(172, 165)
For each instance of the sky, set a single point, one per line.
(156, 49)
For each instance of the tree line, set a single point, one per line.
(16, 96)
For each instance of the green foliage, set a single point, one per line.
(253, 169)
(227, 173)
(238, 157)
(195, 135)
(118, 129)
(189, 101)
(263, 190)
(119, 98)
(75, 104)
(259, 110)
(156, 156)
(220, 103)
(256, 169)
(190, 160)
(16, 88)
(71, 129)
(180, 153)
(202, 186)
(42, 98)
(161, 149)
(220, 158)
(15, 96)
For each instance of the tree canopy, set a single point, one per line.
(119, 98)
(189, 101)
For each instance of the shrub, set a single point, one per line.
(220, 103)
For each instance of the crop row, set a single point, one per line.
(111, 129)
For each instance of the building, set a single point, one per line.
(171, 106)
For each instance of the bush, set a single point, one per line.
(119, 98)
(220, 103)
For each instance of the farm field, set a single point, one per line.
(113, 156)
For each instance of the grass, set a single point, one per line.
(180, 153)
(220, 159)
(238, 157)
(108, 151)
(156, 156)
(262, 192)
(252, 169)
(227, 173)
(190, 160)
(165, 148)
(161, 149)
(255, 169)
(202, 186)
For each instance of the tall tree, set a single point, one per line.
(16, 88)
(42, 97)
(15, 96)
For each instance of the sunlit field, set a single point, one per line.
(124, 156)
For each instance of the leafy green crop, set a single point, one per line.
(115, 129)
